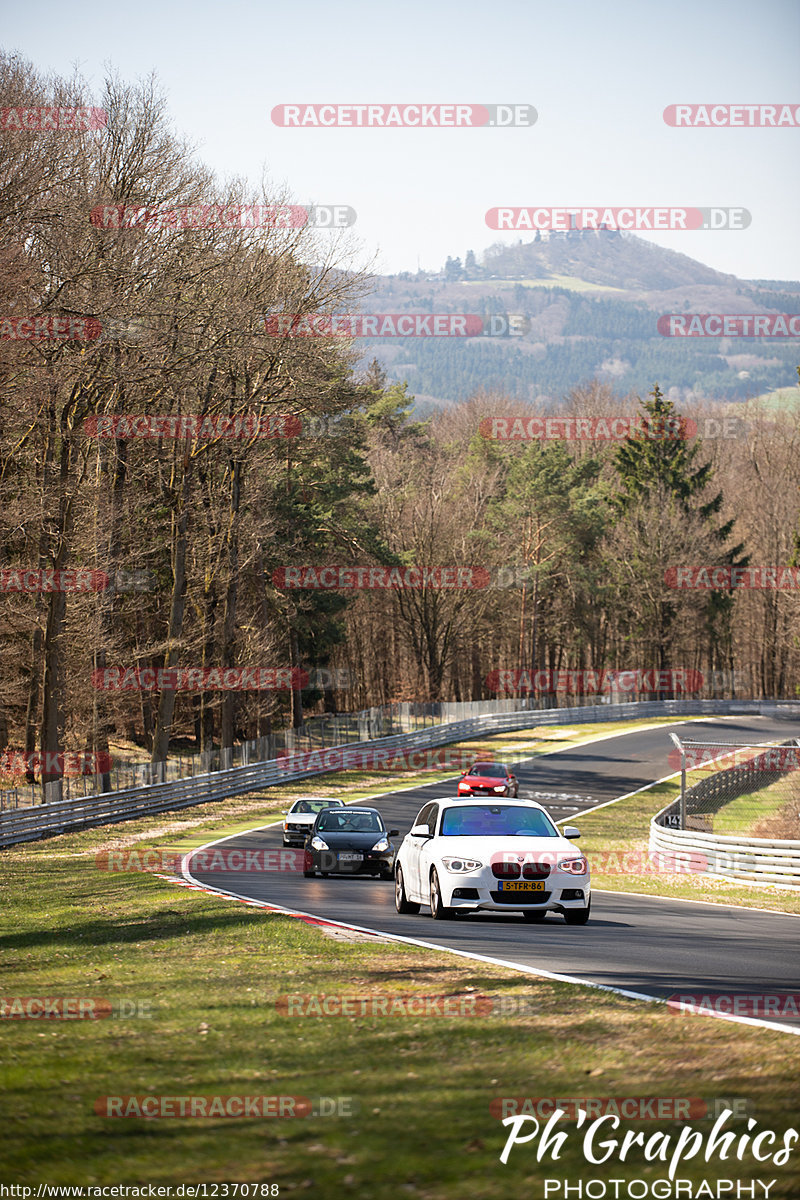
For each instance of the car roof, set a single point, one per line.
(487, 802)
(351, 809)
(317, 800)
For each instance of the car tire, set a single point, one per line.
(309, 874)
(401, 901)
(439, 911)
(533, 917)
(386, 875)
(577, 916)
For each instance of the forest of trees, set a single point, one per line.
(575, 338)
(190, 533)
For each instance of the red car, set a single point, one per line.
(488, 779)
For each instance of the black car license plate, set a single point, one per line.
(517, 885)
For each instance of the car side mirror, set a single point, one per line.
(420, 831)
(393, 833)
(569, 831)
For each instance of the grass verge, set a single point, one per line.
(615, 836)
(419, 1089)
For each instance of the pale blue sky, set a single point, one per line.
(599, 76)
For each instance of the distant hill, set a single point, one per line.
(604, 257)
(591, 300)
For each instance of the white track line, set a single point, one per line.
(711, 903)
(540, 972)
(500, 962)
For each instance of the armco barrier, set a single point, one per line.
(47, 820)
(757, 860)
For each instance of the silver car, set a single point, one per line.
(301, 816)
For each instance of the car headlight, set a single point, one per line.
(461, 865)
(574, 866)
(464, 787)
(318, 843)
(382, 845)
(501, 788)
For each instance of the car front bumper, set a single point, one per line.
(372, 862)
(297, 836)
(486, 793)
(561, 891)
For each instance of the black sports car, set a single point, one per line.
(349, 841)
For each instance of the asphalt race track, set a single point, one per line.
(652, 946)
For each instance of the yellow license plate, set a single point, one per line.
(515, 885)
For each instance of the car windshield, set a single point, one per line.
(472, 820)
(494, 770)
(336, 821)
(315, 806)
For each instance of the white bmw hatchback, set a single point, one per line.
(496, 856)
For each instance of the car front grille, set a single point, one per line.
(510, 870)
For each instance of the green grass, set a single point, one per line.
(745, 813)
(780, 398)
(624, 829)
(211, 972)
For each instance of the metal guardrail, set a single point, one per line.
(317, 732)
(111, 807)
(756, 860)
